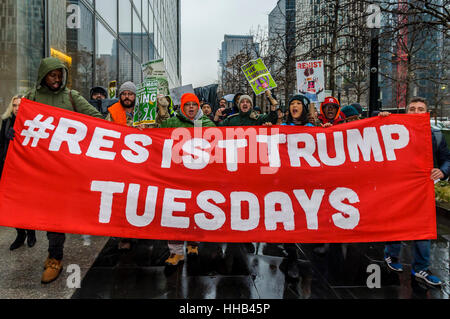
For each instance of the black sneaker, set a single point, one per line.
(20, 240)
(31, 238)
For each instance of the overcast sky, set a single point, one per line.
(203, 26)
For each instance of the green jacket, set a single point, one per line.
(179, 120)
(60, 98)
(250, 118)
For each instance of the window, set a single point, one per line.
(125, 21)
(137, 72)
(137, 36)
(80, 48)
(106, 56)
(107, 9)
(125, 63)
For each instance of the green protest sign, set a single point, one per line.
(258, 76)
(146, 105)
(156, 70)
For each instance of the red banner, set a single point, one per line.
(363, 181)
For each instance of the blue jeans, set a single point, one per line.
(421, 253)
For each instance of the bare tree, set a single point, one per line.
(413, 47)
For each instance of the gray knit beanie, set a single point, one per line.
(127, 86)
(247, 97)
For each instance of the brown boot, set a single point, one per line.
(52, 270)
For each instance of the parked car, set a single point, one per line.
(439, 125)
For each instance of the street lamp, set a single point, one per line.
(374, 23)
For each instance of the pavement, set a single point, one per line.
(220, 271)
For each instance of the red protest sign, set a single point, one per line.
(363, 181)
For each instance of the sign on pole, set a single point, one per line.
(155, 69)
(146, 108)
(311, 80)
(178, 92)
(112, 89)
(258, 76)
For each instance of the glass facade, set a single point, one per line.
(99, 40)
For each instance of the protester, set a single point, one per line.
(358, 108)
(330, 112)
(257, 109)
(98, 93)
(351, 113)
(441, 171)
(235, 106)
(207, 110)
(6, 134)
(171, 107)
(247, 116)
(190, 111)
(313, 117)
(122, 112)
(51, 89)
(280, 115)
(298, 111)
(225, 111)
(223, 103)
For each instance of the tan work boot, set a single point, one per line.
(174, 259)
(192, 250)
(52, 270)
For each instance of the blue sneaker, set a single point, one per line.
(393, 263)
(426, 276)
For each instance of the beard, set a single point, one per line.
(129, 104)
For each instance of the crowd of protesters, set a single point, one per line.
(51, 89)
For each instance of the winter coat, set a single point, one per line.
(179, 120)
(441, 153)
(339, 119)
(250, 118)
(7, 124)
(61, 98)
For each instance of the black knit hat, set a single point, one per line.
(300, 98)
(304, 116)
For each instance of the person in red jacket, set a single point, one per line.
(330, 112)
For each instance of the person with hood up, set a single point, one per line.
(51, 89)
(330, 112)
(190, 111)
(247, 116)
(6, 133)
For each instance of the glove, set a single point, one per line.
(10, 134)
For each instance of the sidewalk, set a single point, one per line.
(220, 271)
(21, 269)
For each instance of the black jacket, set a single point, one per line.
(7, 125)
(441, 153)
